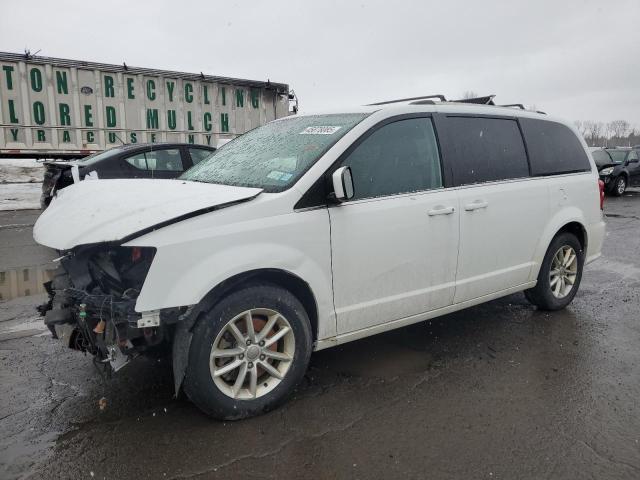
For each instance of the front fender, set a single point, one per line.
(184, 271)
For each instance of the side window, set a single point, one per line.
(198, 154)
(158, 160)
(399, 157)
(138, 160)
(485, 149)
(553, 148)
(633, 156)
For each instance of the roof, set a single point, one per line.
(124, 68)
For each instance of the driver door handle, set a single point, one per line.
(441, 210)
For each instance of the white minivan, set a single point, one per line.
(315, 230)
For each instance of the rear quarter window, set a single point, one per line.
(553, 148)
(483, 149)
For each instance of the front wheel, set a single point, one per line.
(619, 186)
(248, 352)
(560, 274)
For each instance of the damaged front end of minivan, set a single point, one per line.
(92, 299)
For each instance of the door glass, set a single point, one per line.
(139, 161)
(199, 154)
(632, 156)
(400, 157)
(168, 160)
(486, 149)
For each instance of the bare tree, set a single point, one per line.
(608, 128)
(619, 128)
(469, 94)
(593, 131)
(580, 125)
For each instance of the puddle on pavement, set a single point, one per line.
(24, 282)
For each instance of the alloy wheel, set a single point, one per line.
(252, 353)
(564, 270)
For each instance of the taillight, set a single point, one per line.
(601, 186)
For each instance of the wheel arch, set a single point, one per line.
(578, 230)
(275, 276)
(569, 220)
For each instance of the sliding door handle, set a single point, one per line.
(476, 205)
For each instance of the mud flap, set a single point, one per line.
(180, 349)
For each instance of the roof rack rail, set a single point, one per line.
(400, 100)
(428, 100)
(486, 100)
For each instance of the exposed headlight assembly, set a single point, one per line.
(606, 171)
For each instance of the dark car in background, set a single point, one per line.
(141, 160)
(619, 168)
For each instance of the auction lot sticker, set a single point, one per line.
(320, 130)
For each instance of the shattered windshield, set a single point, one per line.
(275, 156)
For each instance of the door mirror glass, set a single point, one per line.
(342, 184)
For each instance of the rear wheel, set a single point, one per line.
(248, 352)
(560, 274)
(619, 186)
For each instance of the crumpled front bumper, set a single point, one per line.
(91, 306)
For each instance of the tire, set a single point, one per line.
(218, 396)
(542, 295)
(619, 186)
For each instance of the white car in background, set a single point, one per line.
(315, 230)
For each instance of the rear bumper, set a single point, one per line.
(596, 234)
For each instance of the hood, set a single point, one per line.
(111, 210)
(607, 165)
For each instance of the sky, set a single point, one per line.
(577, 59)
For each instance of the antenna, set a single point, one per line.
(118, 137)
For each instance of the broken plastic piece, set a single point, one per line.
(99, 328)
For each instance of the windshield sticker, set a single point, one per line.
(279, 176)
(320, 130)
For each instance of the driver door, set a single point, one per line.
(394, 245)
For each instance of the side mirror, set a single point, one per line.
(342, 184)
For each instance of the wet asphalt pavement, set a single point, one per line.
(496, 391)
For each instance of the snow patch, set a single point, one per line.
(20, 196)
(20, 183)
(21, 170)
